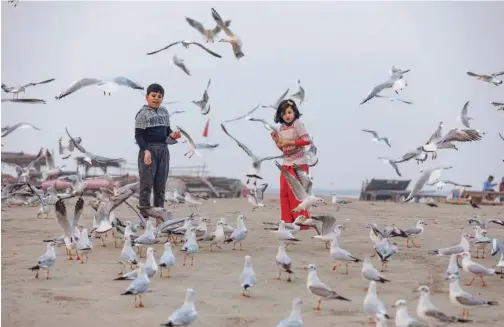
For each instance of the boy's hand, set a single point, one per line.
(175, 135)
(147, 158)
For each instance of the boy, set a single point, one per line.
(153, 134)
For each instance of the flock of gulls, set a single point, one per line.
(193, 236)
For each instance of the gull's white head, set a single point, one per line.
(400, 304)
(51, 245)
(150, 251)
(465, 255)
(167, 245)
(453, 278)
(421, 222)
(423, 289)
(189, 295)
(312, 267)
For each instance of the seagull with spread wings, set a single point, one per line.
(24, 100)
(488, 78)
(300, 94)
(23, 173)
(52, 169)
(194, 147)
(392, 99)
(104, 85)
(6, 130)
(209, 34)
(186, 45)
(232, 39)
(376, 137)
(453, 135)
(389, 83)
(277, 103)
(89, 157)
(266, 125)
(464, 118)
(499, 104)
(66, 151)
(203, 103)
(392, 163)
(423, 179)
(254, 170)
(15, 90)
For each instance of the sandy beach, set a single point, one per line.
(81, 295)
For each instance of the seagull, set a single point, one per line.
(392, 99)
(323, 225)
(89, 157)
(424, 178)
(294, 319)
(247, 276)
(194, 147)
(376, 137)
(179, 62)
(243, 116)
(69, 230)
(186, 314)
(51, 170)
(300, 95)
(440, 184)
(484, 223)
(127, 254)
(23, 173)
(463, 246)
(9, 129)
(84, 245)
(186, 45)
(410, 233)
(16, 100)
(387, 84)
(280, 99)
(267, 125)
(316, 287)
(402, 317)
(202, 104)
(464, 119)
(66, 151)
(209, 34)
(283, 234)
(370, 273)
(336, 232)
(454, 135)
(392, 163)
(255, 168)
(429, 313)
(138, 286)
(233, 39)
(239, 233)
(46, 260)
(256, 195)
(341, 255)
(83, 82)
(385, 249)
(15, 90)
(499, 104)
(496, 247)
(372, 304)
(283, 262)
(488, 78)
(306, 200)
(463, 299)
(476, 269)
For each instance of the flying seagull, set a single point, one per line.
(464, 118)
(394, 76)
(91, 158)
(300, 95)
(202, 104)
(424, 178)
(392, 163)
(255, 168)
(83, 82)
(392, 99)
(232, 39)
(186, 45)
(267, 125)
(194, 147)
(499, 104)
(66, 151)
(209, 34)
(250, 112)
(15, 90)
(502, 137)
(377, 138)
(453, 135)
(280, 99)
(179, 62)
(488, 78)
(10, 129)
(23, 173)
(17, 100)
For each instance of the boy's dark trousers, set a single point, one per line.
(153, 176)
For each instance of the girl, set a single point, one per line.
(292, 134)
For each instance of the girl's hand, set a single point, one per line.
(281, 143)
(274, 135)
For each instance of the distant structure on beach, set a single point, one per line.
(390, 190)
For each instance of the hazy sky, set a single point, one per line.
(339, 50)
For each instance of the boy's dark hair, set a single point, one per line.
(155, 88)
(490, 177)
(281, 110)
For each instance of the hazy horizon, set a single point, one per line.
(339, 50)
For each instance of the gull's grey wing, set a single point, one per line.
(37, 83)
(294, 184)
(377, 89)
(396, 168)
(12, 128)
(303, 177)
(49, 159)
(328, 223)
(77, 145)
(61, 216)
(141, 217)
(241, 145)
(196, 25)
(502, 137)
(206, 146)
(465, 135)
(39, 155)
(244, 116)
(260, 191)
(71, 146)
(294, 151)
(498, 74)
(124, 81)
(79, 208)
(436, 314)
(473, 74)
(456, 184)
(324, 292)
(387, 141)
(77, 85)
(216, 30)
(266, 124)
(187, 136)
(412, 231)
(465, 110)
(375, 134)
(25, 100)
(218, 19)
(498, 104)
(281, 98)
(168, 46)
(470, 300)
(207, 50)
(408, 156)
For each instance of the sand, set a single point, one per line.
(86, 295)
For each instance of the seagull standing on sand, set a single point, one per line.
(402, 317)
(341, 255)
(139, 285)
(370, 273)
(239, 233)
(372, 304)
(209, 34)
(476, 269)
(15, 90)
(47, 260)
(465, 300)
(316, 287)
(492, 78)
(247, 277)
(376, 137)
(127, 254)
(385, 249)
(190, 246)
(294, 319)
(283, 234)
(186, 314)
(453, 266)
(410, 233)
(429, 313)
(232, 39)
(283, 262)
(167, 260)
(463, 246)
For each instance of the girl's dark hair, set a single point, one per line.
(281, 110)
